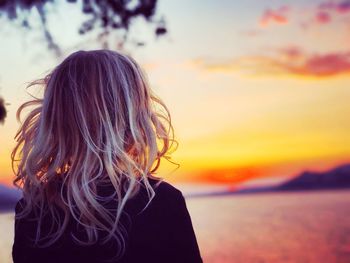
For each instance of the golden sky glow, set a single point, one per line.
(254, 90)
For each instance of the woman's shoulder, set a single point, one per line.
(165, 196)
(166, 192)
(162, 187)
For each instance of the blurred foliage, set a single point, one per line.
(103, 15)
(3, 111)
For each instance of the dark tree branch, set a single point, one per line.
(3, 111)
(108, 15)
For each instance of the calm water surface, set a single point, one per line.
(279, 227)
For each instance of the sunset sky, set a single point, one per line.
(257, 89)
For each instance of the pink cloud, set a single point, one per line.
(325, 10)
(294, 60)
(324, 65)
(288, 60)
(290, 52)
(320, 14)
(323, 17)
(278, 16)
(339, 6)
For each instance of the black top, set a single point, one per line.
(163, 232)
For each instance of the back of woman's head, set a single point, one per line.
(98, 124)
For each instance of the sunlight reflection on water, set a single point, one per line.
(278, 227)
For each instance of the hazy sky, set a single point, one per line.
(256, 88)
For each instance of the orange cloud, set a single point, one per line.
(278, 16)
(233, 175)
(289, 60)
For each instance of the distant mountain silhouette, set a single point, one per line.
(8, 198)
(336, 178)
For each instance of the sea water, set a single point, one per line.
(298, 227)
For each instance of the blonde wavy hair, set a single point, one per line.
(98, 123)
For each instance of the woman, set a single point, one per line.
(85, 160)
